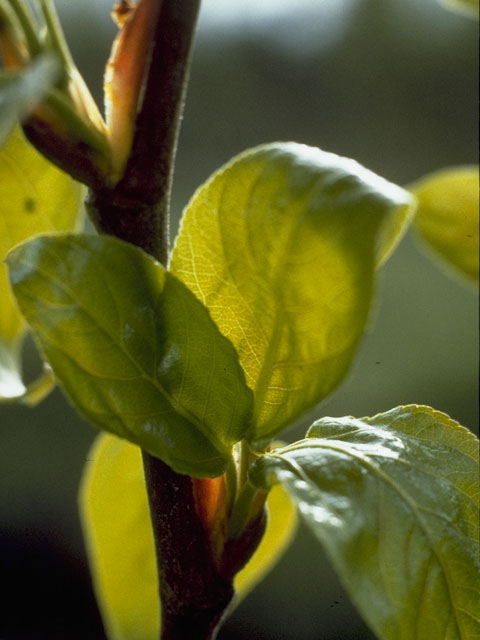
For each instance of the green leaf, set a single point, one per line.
(281, 246)
(116, 522)
(35, 197)
(21, 91)
(133, 348)
(447, 216)
(394, 499)
(467, 7)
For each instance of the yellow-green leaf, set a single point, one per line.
(35, 197)
(447, 216)
(116, 522)
(133, 348)
(394, 499)
(281, 246)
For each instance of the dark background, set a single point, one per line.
(394, 85)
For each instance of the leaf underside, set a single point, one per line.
(281, 246)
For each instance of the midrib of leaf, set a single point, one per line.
(375, 470)
(262, 386)
(234, 282)
(153, 381)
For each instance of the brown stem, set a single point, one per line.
(137, 208)
(194, 595)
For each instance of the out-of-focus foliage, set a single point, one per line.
(468, 7)
(35, 197)
(447, 217)
(20, 91)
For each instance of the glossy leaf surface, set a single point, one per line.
(35, 197)
(133, 348)
(447, 217)
(19, 92)
(115, 517)
(281, 246)
(394, 499)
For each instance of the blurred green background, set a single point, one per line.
(391, 83)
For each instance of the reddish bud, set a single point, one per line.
(125, 75)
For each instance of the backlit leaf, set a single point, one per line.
(133, 348)
(447, 216)
(118, 534)
(116, 522)
(394, 499)
(281, 246)
(35, 197)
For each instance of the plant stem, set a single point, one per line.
(194, 595)
(29, 25)
(55, 32)
(137, 208)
